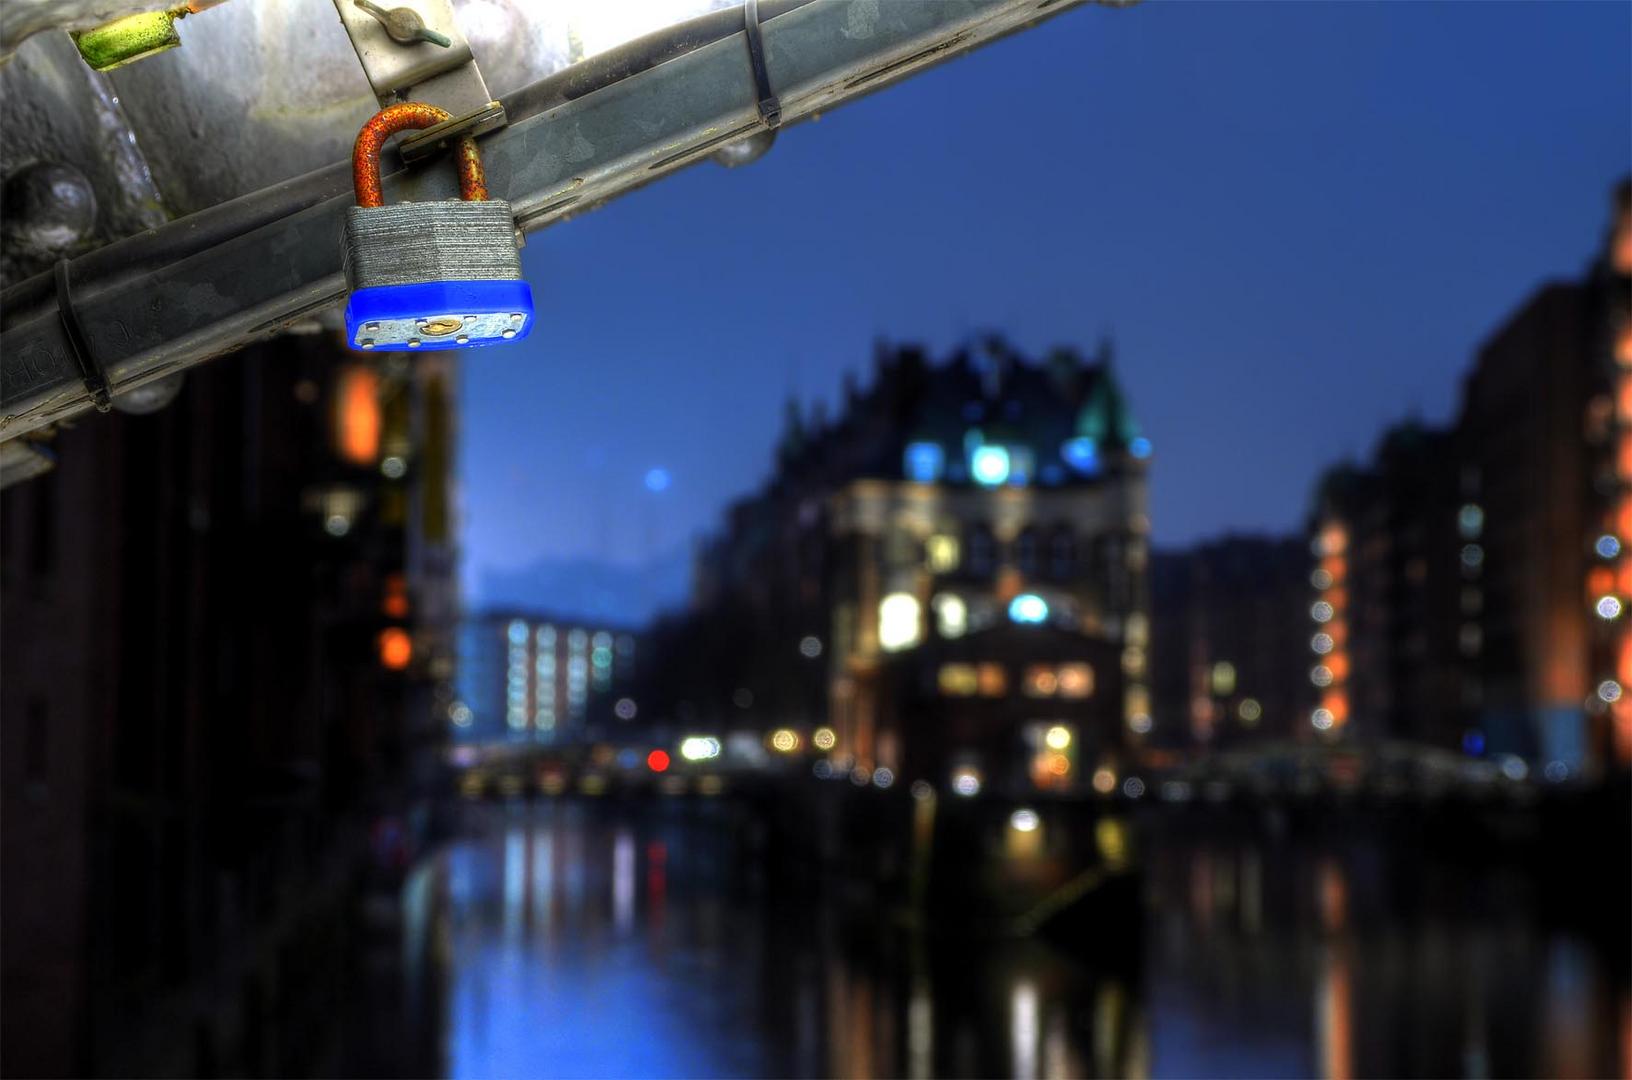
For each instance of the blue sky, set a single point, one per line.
(1297, 221)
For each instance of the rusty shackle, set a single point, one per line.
(408, 116)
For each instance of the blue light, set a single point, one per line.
(1082, 454)
(1607, 546)
(1473, 742)
(989, 465)
(658, 480)
(1139, 447)
(1028, 608)
(923, 462)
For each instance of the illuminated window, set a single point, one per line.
(1028, 608)
(1040, 681)
(941, 553)
(994, 681)
(951, 615)
(989, 465)
(898, 622)
(396, 648)
(1223, 678)
(923, 462)
(958, 680)
(1082, 454)
(357, 415)
(1076, 680)
(517, 632)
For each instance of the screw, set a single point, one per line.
(371, 327)
(508, 333)
(462, 339)
(367, 343)
(413, 343)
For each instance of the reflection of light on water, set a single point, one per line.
(542, 850)
(920, 1033)
(1252, 893)
(1567, 1019)
(1334, 1022)
(623, 880)
(1334, 896)
(1023, 1030)
(515, 879)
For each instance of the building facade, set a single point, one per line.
(532, 677)
(1227, 659)
(956, 564)
(227, 672)
(1471, 587)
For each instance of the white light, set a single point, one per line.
(784, 740)
(1321, 675)
(460, 714)
(337, 525)
(699, 747)
(1470, 520)
(393, 467)
(1321, 579)
(883, 778)
(1139, 723)
(1321, 611)
(1024, 820)
(824, 738)
(1322, 719)
(1321, 643)
(810, 646)
(1609, 690)
(966, 782)
(898, 622)
(1608, 607)
(1514, 768)
(625, 709)
(1133, 787)
(1249, 710)
(518, 632)
(1058, 737)
(989, 465)
(1028, 608)
(1104, 780)
(951, 615)
(922, 791)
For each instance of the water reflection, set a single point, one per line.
(584, 938)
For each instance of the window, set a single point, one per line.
(923, 462)
(951, 615)
(958, 680)
(1040, 681)
(1075, 680)
(941, 553)
(898, 622)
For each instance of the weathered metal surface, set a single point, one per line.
(157, 304)
(447, 240)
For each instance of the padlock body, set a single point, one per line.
(436, 275)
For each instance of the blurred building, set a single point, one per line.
(1472, 586)
(228, 663)
(526, 676)
(1228, 651)
(941, 576)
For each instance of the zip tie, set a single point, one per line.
(770, 109)
(90, 372)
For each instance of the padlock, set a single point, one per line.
(430, 275)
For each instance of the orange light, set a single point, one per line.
(1335, 565)
(1624, 580)
(1623, 345)
(1623, 518)
(1059, 764)
(1623, 661)
(1334, 539)
(395, 603)
(1600, 580)
(1623, 401)
(1338, 665)
(396, 648)
(658, 761)
(357, 422)
(1338, 705)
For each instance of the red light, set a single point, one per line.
(657, 760)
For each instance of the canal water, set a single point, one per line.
(586, 938)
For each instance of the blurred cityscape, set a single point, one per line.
(354, 722)
(272, 802)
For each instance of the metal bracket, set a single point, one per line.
(90, 372)
(770, 107)
(444, 76)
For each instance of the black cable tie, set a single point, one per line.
(90, 372)
(770, 108)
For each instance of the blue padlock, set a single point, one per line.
(436, 275)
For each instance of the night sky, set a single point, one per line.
(1296, 221)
